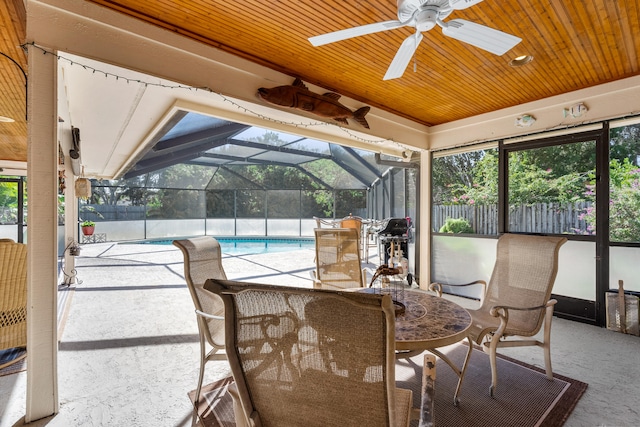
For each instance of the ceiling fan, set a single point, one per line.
(423, 15)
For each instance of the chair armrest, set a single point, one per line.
(427, 404)
(317, 284)
(208, 316)
(502, 311)
(496, 309)
(437, 287)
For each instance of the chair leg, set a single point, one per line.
(493, 350)
(462, 372)
(547, 341)
(203, 360)
(238, 411)
(492, 345)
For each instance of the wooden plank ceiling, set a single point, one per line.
(13, 96)
(575, 44)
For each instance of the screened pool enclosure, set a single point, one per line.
(205, 175)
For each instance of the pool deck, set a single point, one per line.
(129, 352)
(291, 268)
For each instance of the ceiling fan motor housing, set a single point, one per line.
(407, 9)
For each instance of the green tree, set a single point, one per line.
(532, 180)
(624, 202)
(8, 202)
(484, 188)
(543, 175)
(450, 174)
(624, 143)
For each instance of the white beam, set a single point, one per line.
(607, 101)
(42, 297)
(425, 219)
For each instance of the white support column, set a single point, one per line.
(42, 336)
(425, 219)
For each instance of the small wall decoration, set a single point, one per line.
(60, 155)
(298, 96)
(525, 120)
(61, 183)
(575, 111)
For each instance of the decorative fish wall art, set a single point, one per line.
(298, 96)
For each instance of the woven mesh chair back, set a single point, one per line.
(310, 357)
(13, 294)
(338, 258)
(202, 261)
(354, 222)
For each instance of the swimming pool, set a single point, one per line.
(246, 245)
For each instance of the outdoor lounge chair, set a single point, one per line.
(312, 357)
(517, 299)
(338, 259)
(13, 297)
(350, 221)
(202, 261)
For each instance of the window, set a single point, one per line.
(552, 189)
(624, 184)
(465, 192)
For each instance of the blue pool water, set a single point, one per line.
(237, 246)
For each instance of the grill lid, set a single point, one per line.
(394, 227)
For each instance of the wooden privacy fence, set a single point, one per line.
(555, 218)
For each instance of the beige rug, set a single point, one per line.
(524, 396)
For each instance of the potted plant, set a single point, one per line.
(87, 227)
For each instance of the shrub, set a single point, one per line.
(456, 226)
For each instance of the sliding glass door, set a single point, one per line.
(555, 185)
(551, 187)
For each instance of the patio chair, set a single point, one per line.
(338, 263)
(13, 297)
(517, 299)
(350, 221)
(202, 261)
(311, 357)
(327, 223)
(354, 222)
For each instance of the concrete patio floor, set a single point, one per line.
(128, 354)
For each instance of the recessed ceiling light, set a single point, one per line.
(521, 60)
(6, 119)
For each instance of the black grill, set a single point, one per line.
(394, 227)
(395, 231)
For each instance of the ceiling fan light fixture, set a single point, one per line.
(4, 119)
(521, 60)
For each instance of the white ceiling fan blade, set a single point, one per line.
(403, 56)
(462, 4)
(348, 33)
(486, 38)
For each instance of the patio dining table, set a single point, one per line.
(427, 323)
